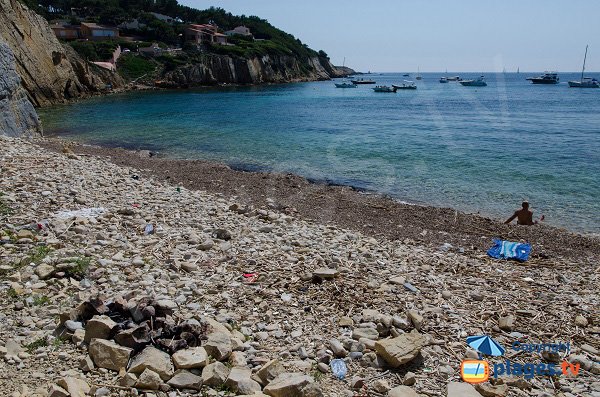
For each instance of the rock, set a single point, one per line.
(195, 357)
(366, 332)
(487, 390)
(457, 389)
(44, 271)
(507, 323)
(218, 345)
(128, 380)
(86, 364)
(109, 355)
(134, 338)
(380, 386)
(75, 387)
(402, 391)
(590, 349)
(326, 273)
(357, 382)
(446, 295)
(57, 391)
(292, 385)
(222, 234)
(324, 368)
(185, 380)
(149, 380)
(345, 322)
(337, 348)
(409, 379)
(99, 327)
(206, 245)
(400, 350)
(239, 381)
(73, 325)
(269, 371)
(238, 359)
(154, 359)
(215, 374)
(581, 321)
(415, 318)
(102, 392)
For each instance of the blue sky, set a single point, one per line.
(466, 35)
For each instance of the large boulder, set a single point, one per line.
(191, 358)
(269, 371)
(400, 350)
(215, 374)
(17, 115)
(74, 386)
(402, 391)
(239, 381)
(219, 346)
(292, 385)
(109, 355)
(154, 359)
(457, 389)
(185, 380)
(99, 327)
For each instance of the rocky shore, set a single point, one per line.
(117, 278)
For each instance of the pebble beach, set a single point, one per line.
(282, 282)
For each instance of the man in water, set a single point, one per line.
(524, 216)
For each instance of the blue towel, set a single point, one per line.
(508, 250)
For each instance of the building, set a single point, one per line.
(241, 30)
(164, 18)
(134, 24)
(65, 31)
(205, 34)
(94, 31)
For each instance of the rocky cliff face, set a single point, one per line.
(17, 115)
(50, 72)
(222, 69)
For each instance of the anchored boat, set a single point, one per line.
(585, 82)
(384, 88)
(363, 81)
(406, 85)
(546, 78)
(478, 82)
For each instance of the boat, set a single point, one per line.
(453, 78)
(406, 75)
(444, 80)
(478, 82)
(384, 88)
(546, 78)
(406, 85)
(345, 84)
(363, 81)
(418, 74)
(585, 82)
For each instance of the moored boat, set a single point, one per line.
(363, 81)
(345, 85)
(478, 82)
(384, 88)
(406, 85)
(453, 78)
(585, 82)
(444, 80)
(546, 78)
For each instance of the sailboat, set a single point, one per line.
(585, 82)
(418, 77)
(444, 79)
(345, 83)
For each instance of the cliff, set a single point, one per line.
(17, 115)
(50, 72)
(214, 69)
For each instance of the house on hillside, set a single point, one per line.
(65, 31)
(203, 34)
(134, 24)
(94, 31)
(241, 30)
(162, 17)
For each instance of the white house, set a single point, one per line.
(162, 17)
(241, 30)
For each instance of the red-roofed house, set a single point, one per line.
(206, 33)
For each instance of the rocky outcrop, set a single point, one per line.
(50, 71)
(17, 115)
(223, 69)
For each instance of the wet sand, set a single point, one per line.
(346, 207)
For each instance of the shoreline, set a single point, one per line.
(349, 207)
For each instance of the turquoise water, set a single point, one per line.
(477, 149)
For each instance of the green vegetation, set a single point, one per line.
(5, 210)
(95, 51)
(37, 254)
(132, 67)
(79, 270)
(40, 300)
(33, 346)
(12, 294)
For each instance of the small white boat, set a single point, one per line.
(406, 85)
(444, 80)
(453, 78)
(585, 82)
(478, 82)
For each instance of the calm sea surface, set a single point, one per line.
(477, 149)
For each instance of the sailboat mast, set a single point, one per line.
(584, 59)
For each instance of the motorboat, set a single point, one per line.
(384, 88)
(444, 80)
(585, 82)
(345, 84)
(546, 78)
(453, 78)
(478, 82)
(406, 85)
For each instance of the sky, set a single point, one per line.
(435, 35)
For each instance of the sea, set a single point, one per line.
(476, 149)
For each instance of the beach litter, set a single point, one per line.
(503, 249)
(338, 368)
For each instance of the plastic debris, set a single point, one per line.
(503, 249)
(149, 229)
(410, 287)
(250, 277)
(339, 369)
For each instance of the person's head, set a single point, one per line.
(525, 205)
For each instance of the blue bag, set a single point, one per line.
(339, 369)
(508, 250)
